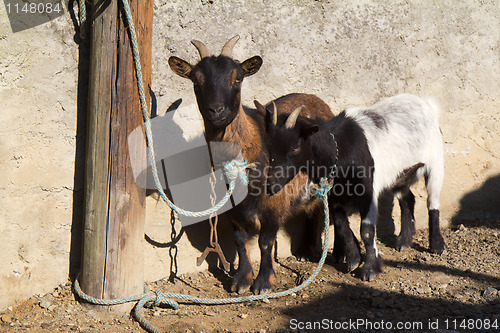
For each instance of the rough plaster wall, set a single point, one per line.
(346, 52)
(351, 53)
(38, 73)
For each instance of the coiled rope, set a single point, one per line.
(158, 298)
(234, 169)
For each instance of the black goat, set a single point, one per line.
(367, 150)
(217, 85)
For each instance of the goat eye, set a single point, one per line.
(295, 149)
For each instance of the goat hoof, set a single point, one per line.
(371, 269)
(242, 282)
(350, 256)
(302, 253)
(402, 246)
(403, 243)
(263, 285)
(338, 256)
(353, 263)
(301, 258)
(368, 274)
(240, 289)
(312, 257)
(262, 291)
(353, 258)
(437, 245)
(307, 253)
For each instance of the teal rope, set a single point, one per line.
(83, 12)
(234, 169)
(83, 18)
(321, 190)
(173, 299)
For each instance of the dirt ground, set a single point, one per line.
(457, 291)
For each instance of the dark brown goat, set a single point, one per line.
(217, 84)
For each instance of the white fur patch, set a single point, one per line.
(402, 131)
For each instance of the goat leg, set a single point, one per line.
(266, 278)
(243, 277)
(407, 204)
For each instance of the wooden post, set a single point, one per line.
(112, 263)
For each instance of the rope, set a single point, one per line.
(83, 12)
(321, 190)
(234, 169)
(83, 18)
(158, 298)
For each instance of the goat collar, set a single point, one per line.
(333, 171)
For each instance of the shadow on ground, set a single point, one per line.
(357, 304)
(361, 307)
(481, 206)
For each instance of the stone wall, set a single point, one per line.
(346, 52)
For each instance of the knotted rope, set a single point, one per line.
(321, 190)
(158, 298)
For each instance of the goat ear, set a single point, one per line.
(251, 65)
(260, 107)
(308, 130)
(180, 67)
(268, 118)
(267, 114)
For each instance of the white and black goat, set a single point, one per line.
(367, 150)
(217, 84)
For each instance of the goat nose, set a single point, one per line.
(216, 109)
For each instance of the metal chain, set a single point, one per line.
(214, 218)
(333, 171)
(214, 240)
(173, 250)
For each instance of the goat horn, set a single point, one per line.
(202, 49)
(227, 50)
(275, 114)
(292, 118)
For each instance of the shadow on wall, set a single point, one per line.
(81, 125)
(198, 234)
(480, 207)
